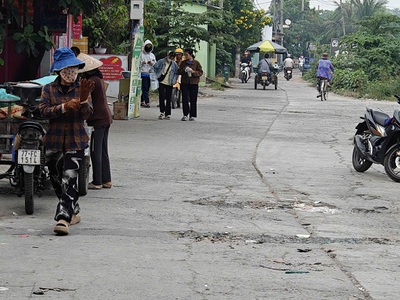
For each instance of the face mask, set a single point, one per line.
(147, 48)
(69, 74)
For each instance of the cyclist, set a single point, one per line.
(324, 71)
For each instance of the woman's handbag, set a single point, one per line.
(161, 78)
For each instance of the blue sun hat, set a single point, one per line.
(64, 58)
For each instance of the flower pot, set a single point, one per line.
(100, 50)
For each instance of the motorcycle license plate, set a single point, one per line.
(28, 157)
(264, 77)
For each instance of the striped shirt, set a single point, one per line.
(66, 129)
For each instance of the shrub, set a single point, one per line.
(349, 80)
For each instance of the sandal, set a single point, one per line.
(62, 227)
(92, 186)
(75, 219)
(107, 185)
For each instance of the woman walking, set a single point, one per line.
(191, 71)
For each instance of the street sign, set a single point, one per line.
(334, 46)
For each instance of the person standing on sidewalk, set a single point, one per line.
(101, 121)
(146, 67)
(66, 103)
(191, 71)
(166, 71)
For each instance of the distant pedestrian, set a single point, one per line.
(147, 62)
(191, 71)
(101, 121)
(166, 71)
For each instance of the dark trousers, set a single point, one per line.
(99, 155)
(164, 98)
(189, 99)
(145, 90)
(64, 170)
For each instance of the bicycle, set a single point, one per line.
(324, 89)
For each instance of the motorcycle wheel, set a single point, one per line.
(392, 164)
(243, 77)
(276, 82)
(83, 176)
(264, 84)
(255, 83)
(28, 187)
(360, 164)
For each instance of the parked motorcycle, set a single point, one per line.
(244, 72)
(31, 173)
(377, 140)
(288, 73)
(28, 171)
(266, 79)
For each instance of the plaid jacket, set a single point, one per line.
(66, 130)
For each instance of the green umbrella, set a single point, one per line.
(267, 46)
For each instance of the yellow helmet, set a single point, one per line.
(178, 50)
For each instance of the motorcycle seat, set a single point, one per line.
(379, 116)
(32, 124)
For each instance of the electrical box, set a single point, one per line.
(137, 10)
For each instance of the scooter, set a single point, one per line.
(244, 72)
(377, 140)
(288, 73)
(31, 175)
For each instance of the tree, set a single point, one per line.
(108, 26)
(32, 37)
(178, 27)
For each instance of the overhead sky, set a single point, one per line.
(330, 4)
(322, 4)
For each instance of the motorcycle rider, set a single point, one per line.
(247, 60)
(288, 63)
(264, 65)
(324, 70)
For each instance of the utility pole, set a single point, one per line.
(302, 5)
(281, 22)
(343, 25)
(274, 29)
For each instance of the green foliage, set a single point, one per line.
(382, 89)
(28, 40)
(108, 26)
(349, 80)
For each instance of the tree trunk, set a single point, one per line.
(237, 61)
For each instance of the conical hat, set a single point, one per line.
(91, 63)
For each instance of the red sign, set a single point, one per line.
(111, 68)
(77, 28)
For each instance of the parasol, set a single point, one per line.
(267, 46)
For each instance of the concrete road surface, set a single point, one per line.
(256, 199)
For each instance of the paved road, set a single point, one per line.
(257, 199)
